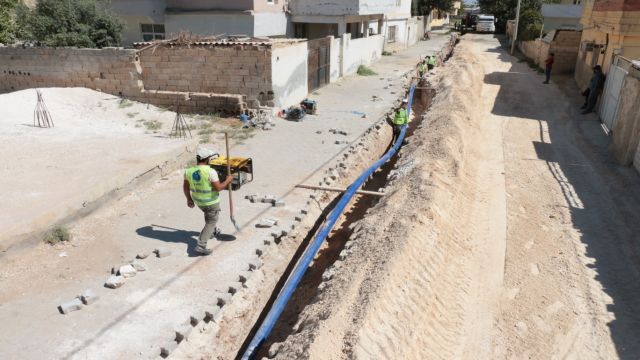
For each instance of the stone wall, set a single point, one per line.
(565, 46)
(201, 78)
(109, 70)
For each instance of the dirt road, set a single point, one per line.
(520, 241)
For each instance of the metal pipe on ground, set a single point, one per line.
(335, 189)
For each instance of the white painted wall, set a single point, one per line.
(135, 13)
(210, 23)
(270, 24)
(289, 74)
(349, 7)
(363, 51)
(336, 59)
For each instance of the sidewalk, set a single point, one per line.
(135, 320)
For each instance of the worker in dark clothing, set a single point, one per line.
(595, 86)
(548, 65)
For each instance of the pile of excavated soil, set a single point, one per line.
(402, 291)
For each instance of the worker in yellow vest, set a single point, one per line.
(431, 62)
(422, 68)
(400, 119)
(201, 186)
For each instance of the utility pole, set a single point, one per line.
(515, 31)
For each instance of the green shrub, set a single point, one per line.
(153, 124)
(365, 71)
(56, 235)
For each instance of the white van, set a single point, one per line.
(486, 23)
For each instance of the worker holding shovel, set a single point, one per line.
(202, 187)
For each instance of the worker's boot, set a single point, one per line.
(202, 251)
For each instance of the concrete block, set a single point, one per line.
(168, 348)
(162, 252)
(223, 299)
(267, 223)
(127, 271)
(114, 281)
(88, 297)
(255, 264)
(211, 313)
(259, 252)
(267, 241)
(139, 265)
(73, 305)
(183, 331)
(269, 199)
(197, 316)
(298, 218)
(244, 276)
(142, 255)
(279, 203)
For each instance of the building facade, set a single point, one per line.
(609, 28)
(148, 20)
(313, 19)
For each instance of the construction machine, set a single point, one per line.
(241, 169)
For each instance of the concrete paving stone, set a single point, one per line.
(183, 331)
(73, 305)
(259, 252)
(304, 211)
(139, 265)
(255, 265)
(162, 252)
(114, 281)
(168, 348)
(127, 271)
(269, 199)
(223, 299)
(211, 313)
(298, 218)
(267, 223)
(267, 241)
(279, 203)
(197, 316)
(88, 297)
(142, 255)
(244, 276)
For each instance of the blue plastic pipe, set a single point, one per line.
(310, 253)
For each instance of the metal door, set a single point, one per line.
(319, 63)
(611, 93)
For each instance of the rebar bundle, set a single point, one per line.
(41, 116)
(180, 127)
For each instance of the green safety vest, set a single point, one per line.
(401, 117)
(422, 67)
(432, 60)
(202, 192)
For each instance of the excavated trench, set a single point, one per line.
(335, 243)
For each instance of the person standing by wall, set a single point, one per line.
(548, 65)
(595, 86)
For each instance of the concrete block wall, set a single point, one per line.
(626, 126)
(109, 70)
(234, 69)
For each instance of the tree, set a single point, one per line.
(81, 23)
(7, 21)
(505, 10)
(424, 7)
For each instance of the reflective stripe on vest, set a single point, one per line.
(202, 192)
(401, 117)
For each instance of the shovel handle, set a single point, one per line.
(226, 141)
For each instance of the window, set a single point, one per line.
(392, 34)
(152, 32)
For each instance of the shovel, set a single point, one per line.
(233, 219)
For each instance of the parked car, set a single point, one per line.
(486, 23)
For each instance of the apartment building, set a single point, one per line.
(158, 19)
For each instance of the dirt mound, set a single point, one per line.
(402, 291)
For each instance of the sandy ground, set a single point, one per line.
(98, 144)
(520, 241)
(134, 321)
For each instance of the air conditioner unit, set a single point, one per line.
(587, 46)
